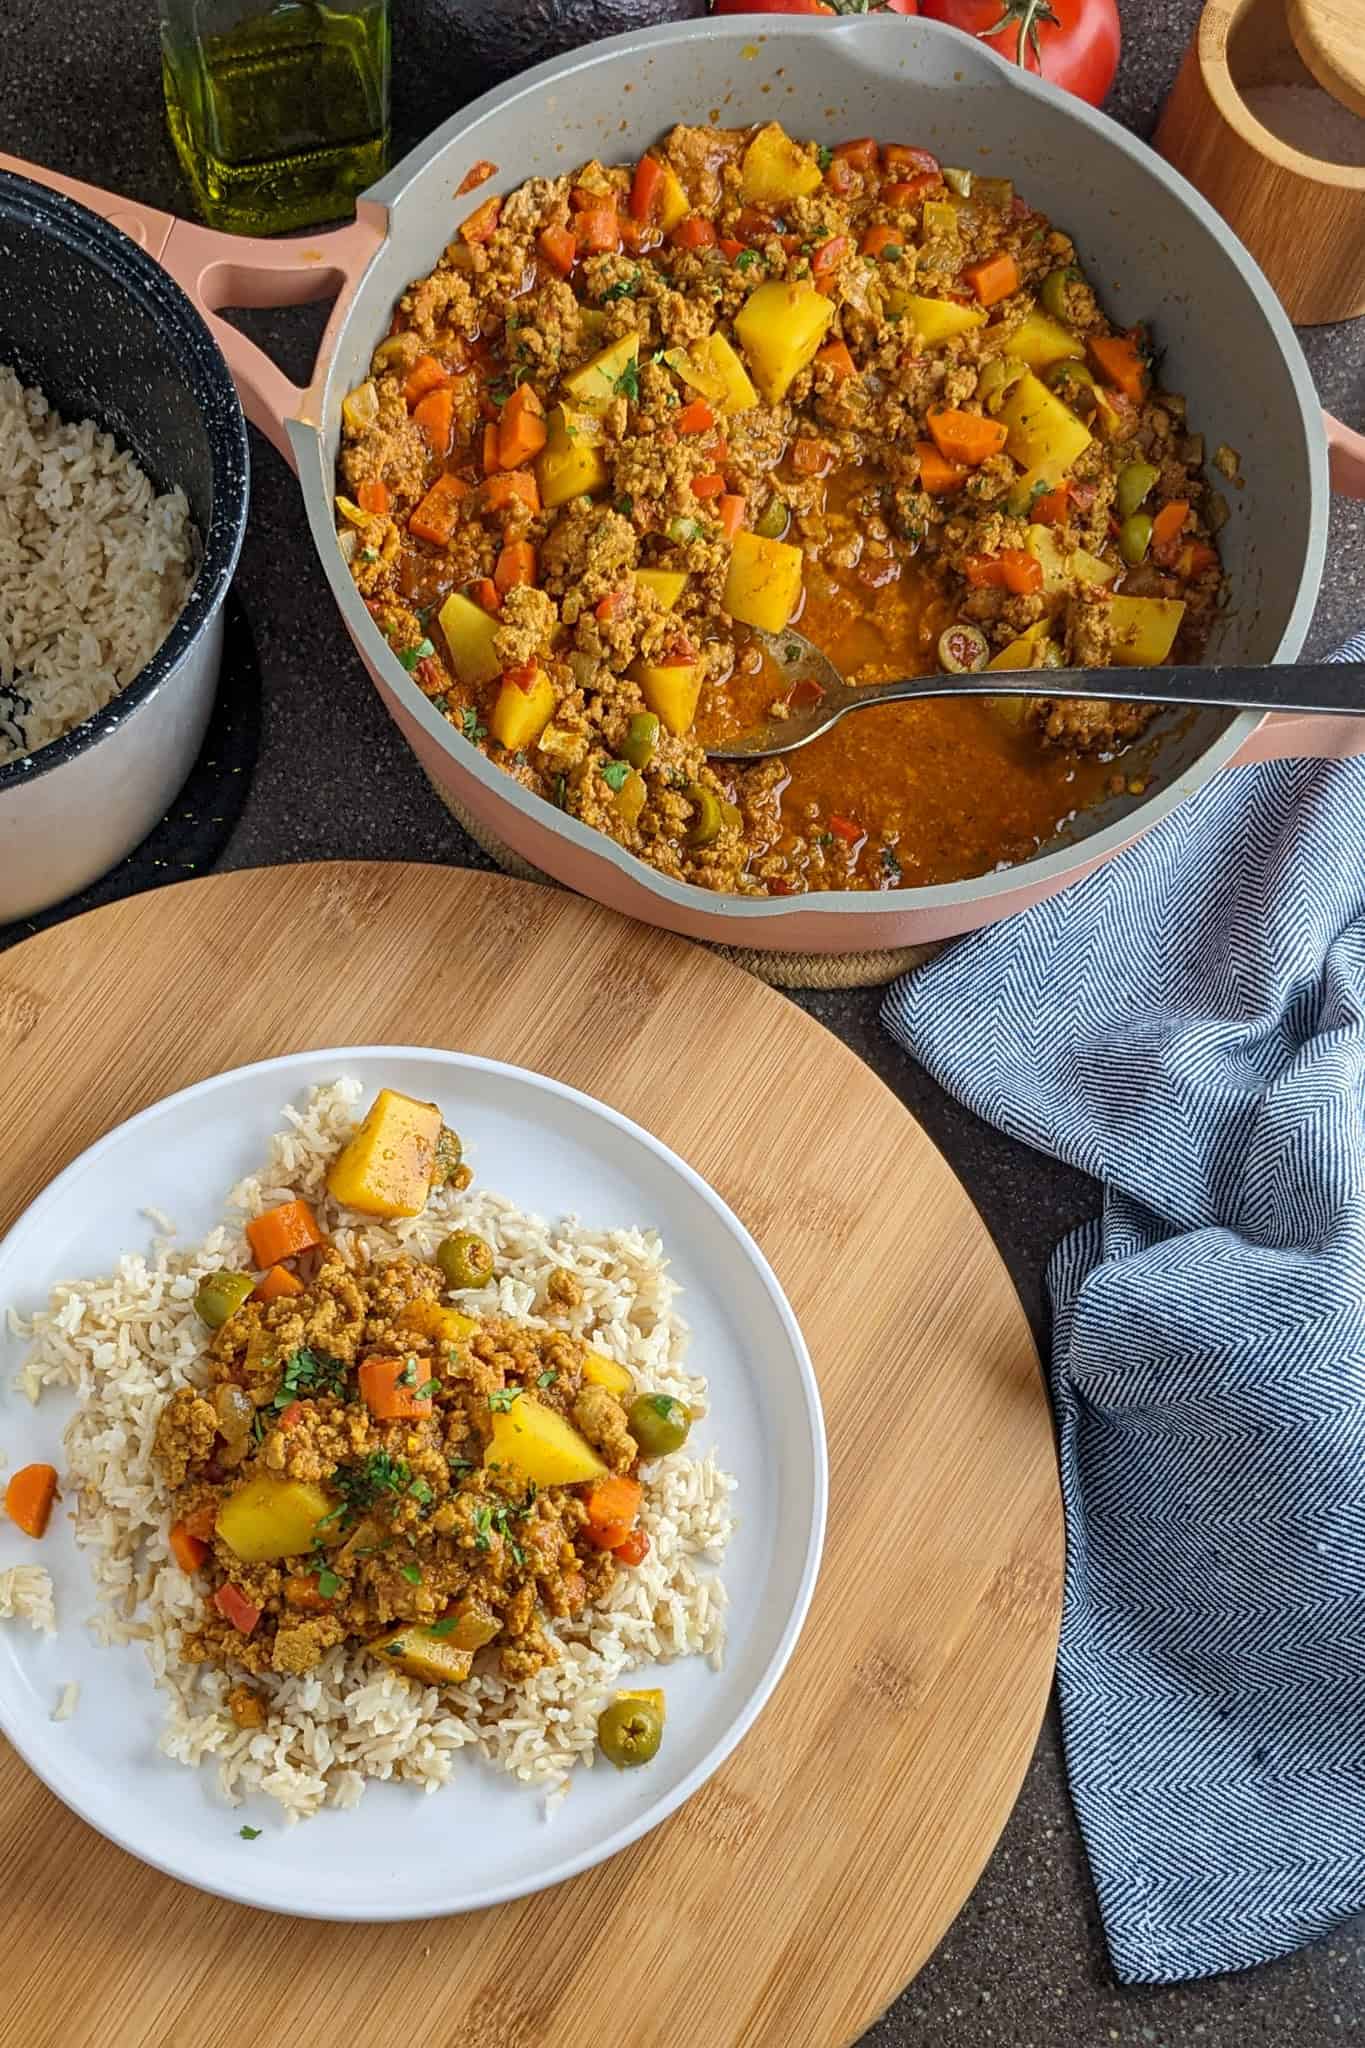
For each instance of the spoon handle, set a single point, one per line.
(1309, 686)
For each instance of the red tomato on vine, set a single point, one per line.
(1071, 43)
(815, 7)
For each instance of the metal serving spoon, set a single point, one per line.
(1307, 686)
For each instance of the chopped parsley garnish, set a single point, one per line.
(791, 652)
(890, 864)
(329, 1585)
(681, 530)
(747, 258)
(614, 775)
(459, 1466)
(410, 656)
(627, 384)
(428, 1390)
(547, 1379)
(501, 1398)
(362, 1483)
(408, 1376)
(470, 727)
(420, 1492)
(258, 1427)
(366, 555)
(442, 1628)
(624, 288)
(1039, 489)
(483, 1526)
(309, 1374)
(824, 156)
(561, 790)
(412, 1573)
(625, 506)
(249, 1834)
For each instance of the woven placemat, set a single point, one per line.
(779, 970)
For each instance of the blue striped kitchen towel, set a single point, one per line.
(1188, 1025)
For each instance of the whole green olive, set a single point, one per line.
(630, 1731)
(642, 738)
(707, 819)
(658, 1423)
(1135, 537)
(774, 519)
(220, 1295)
(1055, 288)
(465, 1260)
(1134, 483)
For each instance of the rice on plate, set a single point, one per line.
(130, 1342)
(95, 567)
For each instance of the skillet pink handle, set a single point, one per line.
(238, 270)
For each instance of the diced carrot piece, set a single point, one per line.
(809, 456)
(634, 1550)
(234, 1606)
(608, 1535)
(29, 1497)
(523, 676)
(522, 432)
(481, 222)
(638, 236)
(599, 230)
(388, 1387)
(613, 606)
(435, 415)
(902, 156)
(839, 177)
(880, 237)
(966, 436)
(1169, 523)
(485, 593)
(1050, 509)
(425, 375)
(477, 174)
(994, 278)
(282, 1233)
(1023, 572)
(862, 154)
(435, 518)
(709, 486)
(729, 247)
(827, 256)
(646, 187)
(301, 1591)
(720, 449)
(936, 474)
(1119, 361)
(696, 232)
(516, 564)
(696, 418)
(188, 1551)
(612, 1501)
(559, 247)
(372, 496)
(278, 1282)
(837, 360)
(510, 487)
(983, 570)
(490, 449)
(847, 829)
(731, 514)
(292, 1416)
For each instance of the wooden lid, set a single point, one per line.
(1329, 35)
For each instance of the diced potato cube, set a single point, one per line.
(672, 690)
(1025, 652)
(1145, 629)
(605, 1372)
(939, 219)
(537, 1443)
(571, 464)
(360, 408)
(1044, 476)
(1041, 428)
(594, 386)
(667, 585)
(780, 326)
(776, 168)
(445, 1326)
(673, 205)
(1045, 548)
(387, 1167)
(593, 321)
(710, 365)
(1090, 568)
(519, 717)
(763, 583)
(1039, 340)
(268, 1517)
(469, 634)
(936, 319)
(434, 1659)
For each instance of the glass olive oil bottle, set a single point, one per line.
(279, 114)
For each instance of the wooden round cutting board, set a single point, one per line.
(794, 1896)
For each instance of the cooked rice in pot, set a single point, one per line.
(95, 568)
(128, 1340)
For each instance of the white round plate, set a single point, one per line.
(404, 1854)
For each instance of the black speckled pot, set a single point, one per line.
(109, 336)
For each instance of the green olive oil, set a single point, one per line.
(281, 116)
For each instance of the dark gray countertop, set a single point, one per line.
(1025, 1965)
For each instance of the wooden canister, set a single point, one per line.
(1267, 118)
